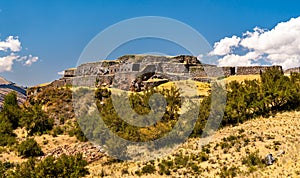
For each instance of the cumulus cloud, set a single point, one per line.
(6, 62)
(225, 45)
(10, 48)
(11, 43)
(278, 46)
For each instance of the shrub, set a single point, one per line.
(36, 121)
(77, 132)
(57, 131)
(4, 166)
(229, 172)
(148, 169)
(64, 166)
(29, 148)
(7, 137)
(11, 110)
(203, 157)
(253, 159)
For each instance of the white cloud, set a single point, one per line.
(11, 43)
(6, 62)
(10, 48)
(225, 45)
(278, 46)
(240, 60)
(31, 59)
(61, 72)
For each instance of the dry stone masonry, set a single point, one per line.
(137, 72)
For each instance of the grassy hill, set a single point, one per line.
(260, 119)
(225, 153)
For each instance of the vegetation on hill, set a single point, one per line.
(36, 122)
(51, 111)
(64, 166)
(249, 99)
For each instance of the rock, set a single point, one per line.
(281, 152)
(269, 159)
(7, 87)
(90, 152)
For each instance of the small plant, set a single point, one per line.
(206, 149)
(241, 131)
(203, 157)
(229, 172)
(45, 142)
(252, 160)
(57, 130)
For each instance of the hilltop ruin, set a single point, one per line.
(137, 72)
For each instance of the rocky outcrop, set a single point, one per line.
(89, 151)
(7, 87)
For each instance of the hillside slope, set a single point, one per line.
(225, 153)
(7, 87)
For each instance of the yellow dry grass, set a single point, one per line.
(43, 84)
(283, 128)
(47, 143)
(240, 78)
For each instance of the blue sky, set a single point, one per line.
(57, 31)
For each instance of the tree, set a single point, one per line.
(277, 88)
(11, 110)
(35, 120)
(7, 137)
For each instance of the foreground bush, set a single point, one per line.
(64, 166)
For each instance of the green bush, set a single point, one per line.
(7, 137)
(229, 172)
(11, 110)
(4, 166)
(253, 159)
(77, 132)
(148, 169)
(9, 119)
(64, 166)
(29, 148)
(35, 120)
(249, 99)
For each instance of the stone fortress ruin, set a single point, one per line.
(138, 72)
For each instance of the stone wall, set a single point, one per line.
(132, 70)
(174, 68)
(94, 68)
(252, 70)
(229, 71)
(295, 69)
(62, 82)
(87, 80)
(197, 71)
(69, 72)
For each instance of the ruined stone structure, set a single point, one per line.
(295, 69)
(243, 70)
(136, 72)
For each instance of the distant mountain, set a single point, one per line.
(7, 87)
